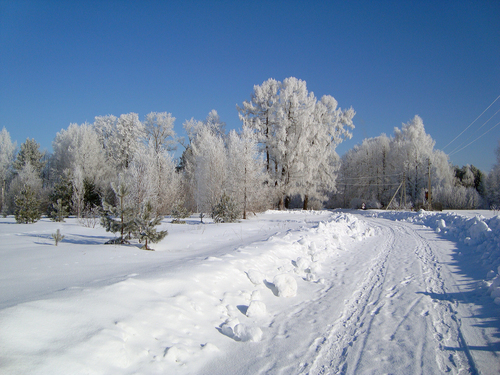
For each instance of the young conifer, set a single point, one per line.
(119, 218)
(59, 211)
(58, 237)
(27, 206)
(146, 225)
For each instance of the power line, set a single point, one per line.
(471, 123)
(364, 177)
(487, 131)
(470, 136)
(368, 184)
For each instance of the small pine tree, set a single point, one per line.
(119, 218)
(146, 223)
(179, 211)
(59, 211)
(63, 189)
(58, 237)
(226, 211)
(27, 206)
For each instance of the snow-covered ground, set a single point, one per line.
(351, 292)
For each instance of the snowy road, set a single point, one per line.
(390, 307)
(368, 293)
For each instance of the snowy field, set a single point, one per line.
(330, 292)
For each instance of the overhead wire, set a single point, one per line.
(455, 150)
(375, 176)
(463, 131)
(487, 131)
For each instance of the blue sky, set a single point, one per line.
(65, 62)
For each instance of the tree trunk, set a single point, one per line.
(245, 202)
(2, 208)
(122, 219)
(306, 201)
(280, 204)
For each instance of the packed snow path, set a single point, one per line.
(286, 293)
(392, 304)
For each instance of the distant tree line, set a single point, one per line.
(283, 157)
(374, 170)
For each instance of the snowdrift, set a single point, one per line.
(210, 284)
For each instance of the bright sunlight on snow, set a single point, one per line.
(291, 292)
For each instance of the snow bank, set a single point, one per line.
(117, 309)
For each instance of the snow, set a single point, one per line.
(283, 292)
(285, 285)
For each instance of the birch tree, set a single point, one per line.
(7, 149)
(159, 130)
(298, 135)
(208, 168)
(246, 177)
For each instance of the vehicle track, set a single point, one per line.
(397, 318)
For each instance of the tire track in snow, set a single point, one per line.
(398, 320)
(446, 323)
(331, 354)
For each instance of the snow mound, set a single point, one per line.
(228, 327)
(256, 309)
(177, 353)
(256, 296)
(255, 277)
(246, 333)
(286, 285)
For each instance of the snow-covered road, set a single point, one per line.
(285, 293)
(394, 304)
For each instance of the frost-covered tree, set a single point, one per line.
(127, 141)
(152, 177)
(26, 192)
(259, 114)
(159, 128)
(367, 172)
(191, 127)
(105, 127)
(246, 177)
(471, 177)
(457, 197)
(7, 149)
(493, 183)
(298, 134)
(214, 123)
(78, 185)
(374, 170)
(328, 127)
(289, 141)
(120, 137)
(29, 153)
(79, 156)
(207, 168)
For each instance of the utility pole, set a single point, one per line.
(404, 188)
(430, 188)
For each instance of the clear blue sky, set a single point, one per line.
(65, 62)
